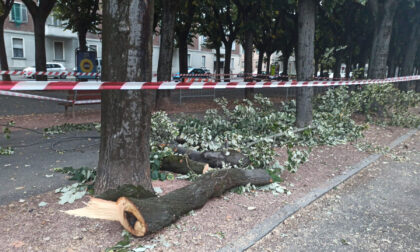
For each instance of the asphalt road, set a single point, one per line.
(377, 210)
(29, 171)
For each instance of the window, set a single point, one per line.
(53, 21)
(203, 61)
(19, 13)
(93, 47)
(189, 60)
(232, 63)
(233, 46)
(203, 40)
(17, 48)
(58, 50)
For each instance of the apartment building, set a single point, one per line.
(60, 44)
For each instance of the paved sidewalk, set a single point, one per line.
(377, 210)
(29, 171)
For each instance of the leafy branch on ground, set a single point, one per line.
(6, 151)
(68, 127)
(85, 178)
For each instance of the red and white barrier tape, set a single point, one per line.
(74, 85)
(49, 73)
(37, 97)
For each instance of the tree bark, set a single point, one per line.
(383, 14)
(267, 69)
(337, 66)
(249, 50)
(183, 53)
(260, 61)
(217, 66)
(3, 55)
(286, 64)
(305, 61)
(167, 32)
(144, 216)
(82, 40)
(228, 55)
(183, 165)
(126, 115)
(40, 55)
(410, 56)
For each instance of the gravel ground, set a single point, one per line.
(25, 226)
(377, 210)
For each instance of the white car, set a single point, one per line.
(51, 67)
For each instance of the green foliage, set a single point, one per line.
(6, 151)
(80, 15)
(68, 127)
(385, 104)
(333, 123)
(85, 178)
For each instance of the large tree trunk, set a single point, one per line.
(249, 50)
(260, 61)
(40, 55)
(384, 18)
(164, 70)
(3, 55)
(228, 55)
(144, 216)
(82, 40)
(183, 53)
(305, 61)
(410, 56)
(126, 115)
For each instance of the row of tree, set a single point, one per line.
(321, 33)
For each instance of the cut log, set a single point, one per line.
(145, 216)
(183, 165)
(214, 158)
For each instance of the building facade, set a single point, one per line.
(60, 44)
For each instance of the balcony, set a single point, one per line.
(58, 31)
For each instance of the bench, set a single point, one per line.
(85, 97)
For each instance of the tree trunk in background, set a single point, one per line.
(249, 49)
(384, 17)
(126, 115)
(217, 66)
(40, 54)
(410, 56)
(285, 64)
(183, 54)
(228, 55)
(337, 67)
(305, 61)
(39, 11)
(348, 68)
(260, 61)
(82, 41)
(166, 50)
(3, 55)
(267, 69)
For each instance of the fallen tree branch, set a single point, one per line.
(145, 216)
(214, 158)
(183, 165)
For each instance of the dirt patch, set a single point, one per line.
(27, 227)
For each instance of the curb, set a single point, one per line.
(259, 231)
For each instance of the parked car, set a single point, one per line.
(29, 72)
(192, 73)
